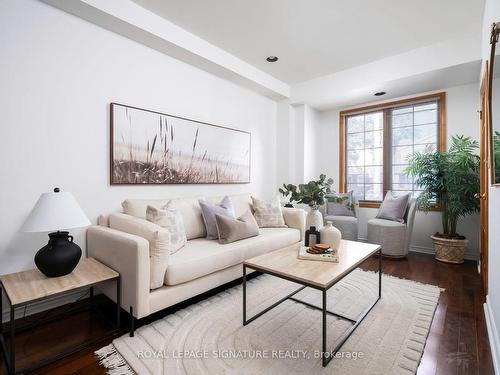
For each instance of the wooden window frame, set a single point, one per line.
(386, 107)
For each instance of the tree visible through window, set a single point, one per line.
(377, 141)
(365, 155)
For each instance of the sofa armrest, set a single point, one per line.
(295, 218)
(128, 255)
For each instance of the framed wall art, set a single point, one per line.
(149, 147)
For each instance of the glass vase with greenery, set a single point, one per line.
(449, 179)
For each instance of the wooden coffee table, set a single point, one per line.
(314, 274)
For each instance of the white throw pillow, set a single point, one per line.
(268, 214)
(169, 218)
(159, 243)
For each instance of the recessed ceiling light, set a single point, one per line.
(272, 59)
(380, 93)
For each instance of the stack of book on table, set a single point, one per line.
(319, 252)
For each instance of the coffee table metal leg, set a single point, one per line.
(380, 273)
(324, 357)
(244, 295)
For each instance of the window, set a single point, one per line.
(365, 155)
(377, 140)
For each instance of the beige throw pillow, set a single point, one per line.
(159, 243)
(169, 218)
(268, 214)
(231, 229)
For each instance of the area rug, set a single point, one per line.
(209, 338)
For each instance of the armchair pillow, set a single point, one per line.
(340, 204)
(169, 218)
(209, 210)
(230, 229)
(268, 214)
(394, 208)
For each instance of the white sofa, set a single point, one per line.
(199, 266)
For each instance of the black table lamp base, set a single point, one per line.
(60, 256)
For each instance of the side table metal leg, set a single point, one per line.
(131, 322)
(12, 341)
(118, 301)
(244, 295)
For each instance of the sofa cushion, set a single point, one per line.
(230, 229)
(169, 218)
(209, 210)
(268, 213)
(137, 207)
(158, 238)
(241, 202)
(189, 208)
(201, 257)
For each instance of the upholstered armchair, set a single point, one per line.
(394, 237)
(348, 225)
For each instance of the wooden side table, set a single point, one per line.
(24, 288)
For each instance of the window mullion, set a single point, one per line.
(387, 144)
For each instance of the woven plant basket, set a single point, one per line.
(449, 250)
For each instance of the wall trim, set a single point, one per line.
(492, 335)
(44, 305)
(469, 255)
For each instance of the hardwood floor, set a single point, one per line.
(457, 342)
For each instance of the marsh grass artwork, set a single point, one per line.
(154, 148)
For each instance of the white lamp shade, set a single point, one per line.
(55, 211)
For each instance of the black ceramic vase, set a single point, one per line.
(60, 256)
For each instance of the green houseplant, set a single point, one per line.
(313, 194)
(496, 156)
(449, 180)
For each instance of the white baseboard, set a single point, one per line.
(492, 335)
(40, 306)
(429, 250)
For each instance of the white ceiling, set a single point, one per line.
(313, 38)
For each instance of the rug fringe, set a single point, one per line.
(409, 280)
(114, 363)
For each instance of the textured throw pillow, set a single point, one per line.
(268, 214)
(209, 210)
(340, 204)
(231, 229)
(394, 208)
(158, 238)
(169, 218)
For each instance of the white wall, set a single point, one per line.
(58, 75)
(492, 308)
(461, 118)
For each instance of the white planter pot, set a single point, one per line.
(314, 219)
(330, 235)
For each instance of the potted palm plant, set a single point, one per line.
(313, 194)
(449, 180)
